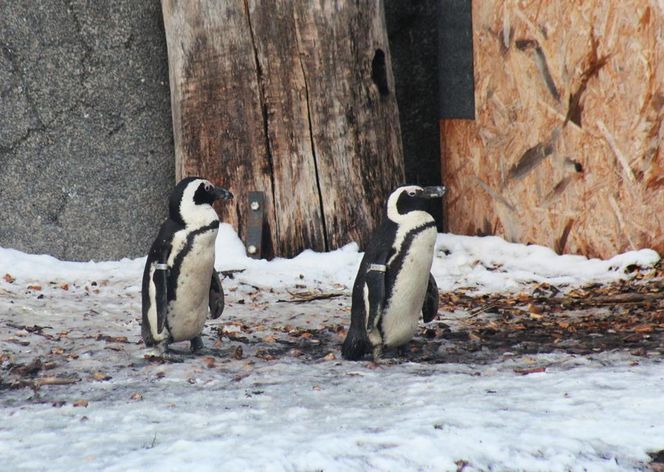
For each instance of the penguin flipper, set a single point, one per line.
(366, 313)
(375, 284)
(430, 306)
(216, 296)
(160, 280)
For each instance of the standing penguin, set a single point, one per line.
(393, 284)
(179, 280)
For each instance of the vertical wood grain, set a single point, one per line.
(279, 97)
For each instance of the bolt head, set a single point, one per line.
(255, 206)
(251, 249)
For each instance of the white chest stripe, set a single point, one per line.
(188, 312)
(408, 226)
(401, 315)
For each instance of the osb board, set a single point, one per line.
(566, 149)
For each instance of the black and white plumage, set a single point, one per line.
(394, 285)
(180, 286)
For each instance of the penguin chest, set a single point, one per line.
(188, 310)
(402, 311)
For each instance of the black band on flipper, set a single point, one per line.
(377, 267)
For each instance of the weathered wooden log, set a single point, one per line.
(294, 99)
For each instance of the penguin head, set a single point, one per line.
(411, 198)
(191, 201)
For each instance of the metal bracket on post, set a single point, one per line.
(255, 221)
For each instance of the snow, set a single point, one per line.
(482, 264)
(576, 416)
(491, 264)
(600, 412)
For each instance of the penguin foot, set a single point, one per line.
(382, 362)
(160, 356)
(196, 344)
(166, 358)
(402, 351)
(377, 353)
(158, 350)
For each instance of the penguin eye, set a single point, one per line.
(208, 187)
(412, 193)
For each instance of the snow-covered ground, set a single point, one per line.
(245, 406)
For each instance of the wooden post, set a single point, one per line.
(294, 99)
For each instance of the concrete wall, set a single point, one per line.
(86, 152)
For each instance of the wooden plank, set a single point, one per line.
(354, 119)
(566, 150)
(216, 100)
(278, 97)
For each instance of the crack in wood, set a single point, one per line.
(312, 141)
(260, 79)
(314, 156)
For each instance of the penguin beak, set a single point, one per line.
(220, 193)
(433, 192)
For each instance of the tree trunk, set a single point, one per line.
(294, 99)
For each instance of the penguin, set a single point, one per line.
(393, 284)
(180, 285)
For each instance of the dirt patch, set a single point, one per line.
(622, 316)
(61, 338)
(625, 316)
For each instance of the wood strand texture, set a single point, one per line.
(567, 149)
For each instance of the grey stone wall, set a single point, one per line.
(86, 151)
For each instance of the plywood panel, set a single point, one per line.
(566, 150)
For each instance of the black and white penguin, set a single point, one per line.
(180, 285)
(394, 284)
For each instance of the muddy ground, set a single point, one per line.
(63, 335)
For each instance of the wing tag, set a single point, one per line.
(377, 267)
